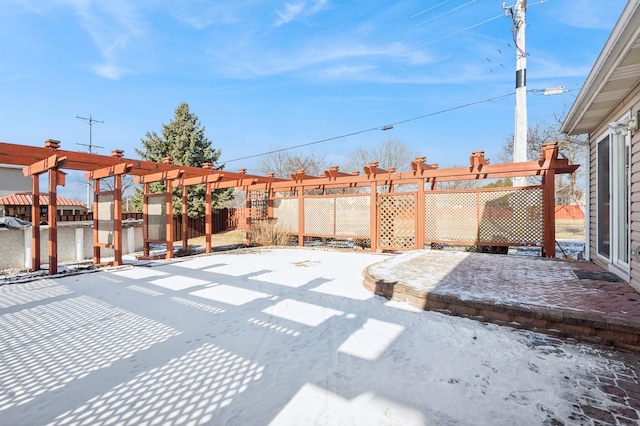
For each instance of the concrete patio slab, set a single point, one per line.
(282, 336)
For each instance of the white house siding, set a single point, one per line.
(635, 204)
(12, 180)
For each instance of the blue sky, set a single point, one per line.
(268, 74)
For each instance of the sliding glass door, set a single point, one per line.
(613, 199)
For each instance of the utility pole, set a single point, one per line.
(517, 13)
(90, 120)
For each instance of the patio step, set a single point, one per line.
(583, 325)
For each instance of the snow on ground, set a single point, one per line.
(269, 336)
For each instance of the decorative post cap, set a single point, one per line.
(167, 160)
(117, 153)
(52, 144)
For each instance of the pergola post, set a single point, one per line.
(208, 228)
(145, 219)
(373, 216)
(35, 222)
(117, 220)
(300, 215)
(96, 247)
(169, 218)
(549, 156)
(53, 221)
(270, 194)
(549, 239)
(185, 218)
(420, 216)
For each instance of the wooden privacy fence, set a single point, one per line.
(223, 220)
(410, 219)
(407, 211)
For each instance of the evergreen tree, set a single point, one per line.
(183, 139)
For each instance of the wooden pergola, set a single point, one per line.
(52, 160)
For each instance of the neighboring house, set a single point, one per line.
(606, 109)
(19, 205)
(12, 180)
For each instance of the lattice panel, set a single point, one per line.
(397, 221)
(285, 211)
(156, 217)
(353, 216)
(105, 218)
(319, 216)
(259, 204)
(512, 216)
(451, 216)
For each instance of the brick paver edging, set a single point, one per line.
(582, 326)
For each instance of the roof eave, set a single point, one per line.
(619, 43)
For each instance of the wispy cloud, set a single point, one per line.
(117, 29)
(28, 5)
(588, 14)
(342, 72)
(300, 9)
(549, 68)
(332, 59)
(16, 77)
(200, 14)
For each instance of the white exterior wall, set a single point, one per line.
(12, 180)
(15, 244)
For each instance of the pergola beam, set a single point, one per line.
(169, 175)
(111, 171)
(52, 162)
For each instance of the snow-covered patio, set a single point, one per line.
(279, 336)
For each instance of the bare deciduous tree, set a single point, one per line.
(456, 184)
(575, 151)
(388, 153)
(284, 163)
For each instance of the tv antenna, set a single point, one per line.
(90, 120)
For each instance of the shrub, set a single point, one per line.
(268, 233)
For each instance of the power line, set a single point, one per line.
(446, 13)
(385, 127)
(459, 31)
(390, 125)
(464, 29)
(429, 9)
